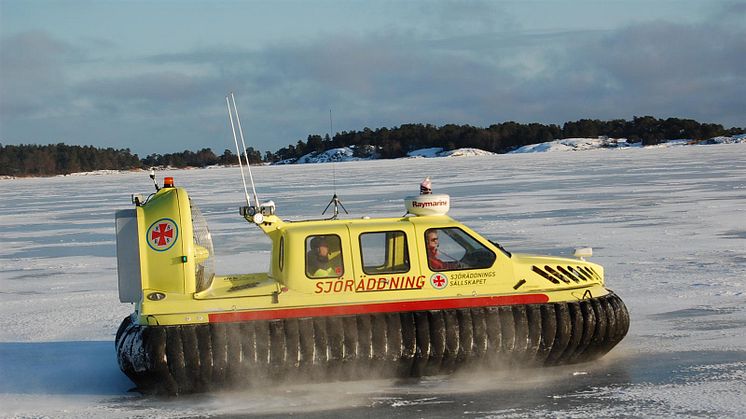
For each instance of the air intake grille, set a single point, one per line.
(567, 274)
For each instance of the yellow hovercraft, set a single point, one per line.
(416, 295)
(409, 296)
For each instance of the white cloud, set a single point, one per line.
(479, 75)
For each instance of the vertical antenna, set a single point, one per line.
(240, 131)
(235, 140)
(335, 199)
(334, 171)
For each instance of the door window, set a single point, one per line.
(384, 252)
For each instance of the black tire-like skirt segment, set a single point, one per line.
(183, 359)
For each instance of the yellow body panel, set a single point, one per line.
(165, 269)
(169, 274)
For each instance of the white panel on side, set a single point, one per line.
(128, 257)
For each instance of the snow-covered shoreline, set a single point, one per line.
(568, 144)
(346, 154)
(584, 144)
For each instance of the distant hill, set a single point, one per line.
(569, 144)
(405, 141)
(499, 138)
(580, 144)
(55, 159)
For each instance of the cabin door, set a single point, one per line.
(385, 257)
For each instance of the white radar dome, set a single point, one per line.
(428, 204)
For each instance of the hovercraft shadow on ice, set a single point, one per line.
(346, 299)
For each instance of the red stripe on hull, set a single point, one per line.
(328, 311)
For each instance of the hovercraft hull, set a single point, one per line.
(195, 358)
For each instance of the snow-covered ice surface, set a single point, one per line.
(669, 226)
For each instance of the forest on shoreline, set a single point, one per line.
(383, 143)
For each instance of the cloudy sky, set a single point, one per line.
(152, 75)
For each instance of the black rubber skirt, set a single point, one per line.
(183, 359)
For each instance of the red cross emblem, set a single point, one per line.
(439, 281)
(162, 234)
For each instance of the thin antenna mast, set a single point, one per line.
(334, 166)
(335, 199)
(235, 140)
(240, 131)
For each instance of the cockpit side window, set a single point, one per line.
(324, 256)
(452, 249)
